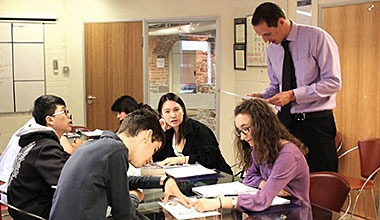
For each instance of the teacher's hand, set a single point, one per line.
(282, 98)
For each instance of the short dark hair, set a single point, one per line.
(125, 104)
(140, 120)
(268, 12)
(175, 98)
(45, 105)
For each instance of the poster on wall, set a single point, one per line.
(240, 57)
(240, 29)
(256, 47)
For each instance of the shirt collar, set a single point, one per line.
(293, 32)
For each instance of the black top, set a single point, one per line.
(201, 146)
(96, 176)
(36, 171)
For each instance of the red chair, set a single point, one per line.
(329, 190)
(369, 153)
(338, 141)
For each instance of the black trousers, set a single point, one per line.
(318, 134)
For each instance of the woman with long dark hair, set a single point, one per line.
(187, 140)
(274, 160)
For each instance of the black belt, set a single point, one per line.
(310, 115)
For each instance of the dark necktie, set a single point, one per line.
(288, 82)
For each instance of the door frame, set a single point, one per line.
(216, 19)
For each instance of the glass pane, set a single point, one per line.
(304, 12)
(182, 60)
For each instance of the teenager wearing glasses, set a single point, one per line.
(274, 160)
(38, 165)
(187, 140)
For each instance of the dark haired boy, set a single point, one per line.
(39, 163)
(95, 176)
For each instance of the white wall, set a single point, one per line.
(55, 48)
(64, 41)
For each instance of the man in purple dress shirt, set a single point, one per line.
(317, 72)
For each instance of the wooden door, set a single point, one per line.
(356, 30)
(114, 67)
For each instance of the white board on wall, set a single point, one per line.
(26, 93)
(31, 66)
(6, 78)
(5, 32)
(26, 32)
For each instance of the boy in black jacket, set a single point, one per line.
(41, 158)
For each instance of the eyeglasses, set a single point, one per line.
(66, 112)
(245, 131)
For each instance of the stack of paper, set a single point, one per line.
(95, 133)
(232, 189)
(188, 170)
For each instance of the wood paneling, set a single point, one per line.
(356, 31)
(114, 67)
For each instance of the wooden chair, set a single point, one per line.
(338, 141)
(369, 153)
(329, 190)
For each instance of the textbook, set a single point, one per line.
(232, 189)
(152, 170)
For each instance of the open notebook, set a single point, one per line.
(232, 189)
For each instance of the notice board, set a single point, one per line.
(22, 65)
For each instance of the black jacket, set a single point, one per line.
(201, 146)
(35, 172)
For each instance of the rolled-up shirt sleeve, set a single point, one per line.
(274, 86)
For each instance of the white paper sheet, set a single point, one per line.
(95, 133)
(189, 171)
(181, 212)
(238, 95)
(232, 189)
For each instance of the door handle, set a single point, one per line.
(90, 98)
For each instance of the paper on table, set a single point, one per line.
(223, 189)
(188, 171)
(97, 132)
(238, 95)
(181, 212)
(232, 189)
